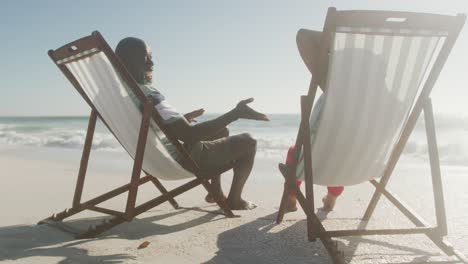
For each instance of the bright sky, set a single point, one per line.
(208, 54)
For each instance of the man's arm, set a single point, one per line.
(192, 133)
(194, 114)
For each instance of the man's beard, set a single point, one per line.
(148, 77)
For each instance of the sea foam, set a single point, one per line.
(273, 138)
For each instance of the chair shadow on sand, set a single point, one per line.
(24, 241)
(259, 242)
(350, 245)
(253, 242)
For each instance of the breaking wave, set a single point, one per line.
(274, 138)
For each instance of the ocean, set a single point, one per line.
(274, 137)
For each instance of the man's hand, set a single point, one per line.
(194, 114)
(244, 111)
(193, 133)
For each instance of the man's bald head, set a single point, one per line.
(136, 57)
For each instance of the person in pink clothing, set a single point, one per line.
(308, 42)
(328, 200)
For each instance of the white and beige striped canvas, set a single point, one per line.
(110, 95)
(372, 84)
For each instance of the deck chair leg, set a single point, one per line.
(84, 159)
(394, 157)
(110, 223)
(60, 216)
(373, 203)
(312, 229)
(163, 190)
(282, 208)
(76, 208)
(106, 224)
(435, 169)
(331, 247)
(220, 201)
(417, 109)
(309, 182)
(138, 163)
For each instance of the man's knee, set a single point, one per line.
(243, 144)
(250, 142)
(224, 132)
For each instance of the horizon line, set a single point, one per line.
(214, 113)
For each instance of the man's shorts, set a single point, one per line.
(212, 154)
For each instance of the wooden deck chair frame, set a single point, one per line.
(74, 51)
(315, 229)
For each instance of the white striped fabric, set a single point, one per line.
(372, 83)
(79, 55)
(109, 94)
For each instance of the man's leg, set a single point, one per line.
(291, 205)
(243, 148)
(329, 200)
(216, 181)
(238, 151)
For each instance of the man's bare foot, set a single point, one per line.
(328, 202)
(241, 205)
(210, 199)
(291, 204)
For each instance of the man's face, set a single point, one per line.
(148, 65)
(136, 56)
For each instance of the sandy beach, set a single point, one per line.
(37, 182)
(363, 83)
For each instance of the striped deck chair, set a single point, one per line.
(104, 83)
(380, 68)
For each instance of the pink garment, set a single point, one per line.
(332, 190)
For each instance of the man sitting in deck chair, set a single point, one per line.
(208, 143)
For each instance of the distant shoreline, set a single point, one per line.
(81, 116)
(441, 114)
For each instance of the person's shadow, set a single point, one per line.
(262, 241)
(259, 241)
(25, 241)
